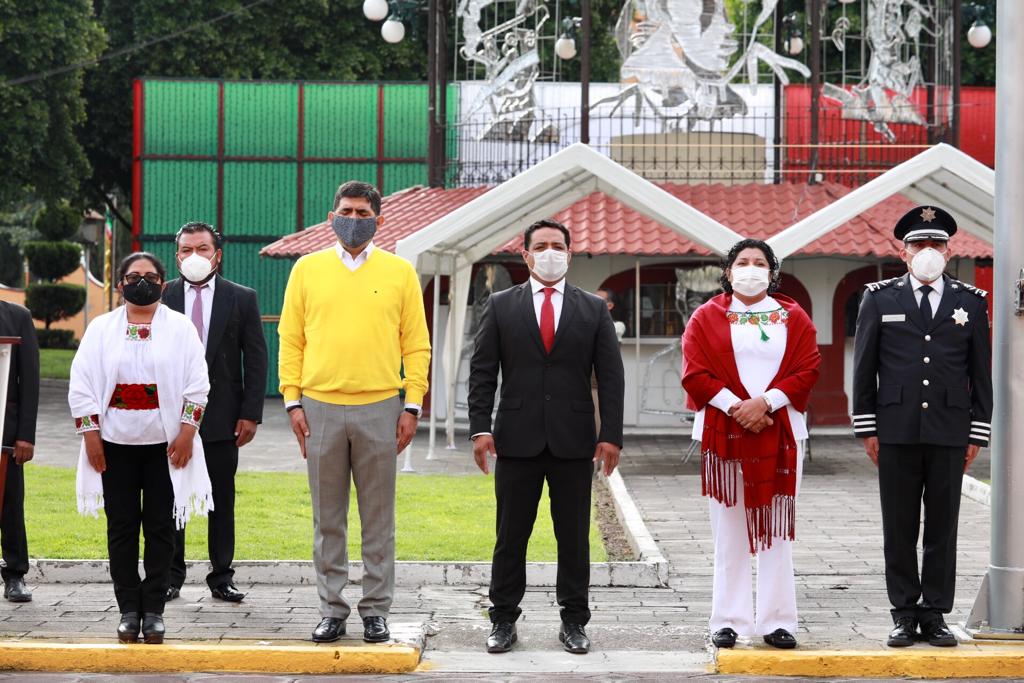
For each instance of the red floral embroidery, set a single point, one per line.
(774, 317)
(135, 397)
(752, 320)
(197, 414)
(144, 333)
(732, 317)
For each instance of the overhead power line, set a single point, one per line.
(128, 49)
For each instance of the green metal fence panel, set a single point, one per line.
(405, 121)
(259, 198)
(165, 251)
(180, 117)
(273, 345)
(177, 192)
(321, 181)
(261, 119)
(244, 265)
(400, 176)
(340, 120)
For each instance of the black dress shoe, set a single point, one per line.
(153, 628)
(503, 637)
(329, 630)
(128, 629)
(375, 630)
(904, 634)
(574, 638)
(172, 593)
(938, 634)
(724, 637)
(781, 638)
(227, 592)
(15, 590)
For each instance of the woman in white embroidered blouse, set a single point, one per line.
(138, 391)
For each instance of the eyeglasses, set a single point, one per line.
(135, 278)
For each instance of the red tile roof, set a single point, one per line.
(603, 225)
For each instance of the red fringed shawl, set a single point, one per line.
(768, 459)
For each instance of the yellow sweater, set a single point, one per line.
(345, 335)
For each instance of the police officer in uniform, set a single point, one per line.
(922, 396)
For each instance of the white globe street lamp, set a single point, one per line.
(979, 35)
(392, 31)
(375, 10)
(565, 47)
(794, 45)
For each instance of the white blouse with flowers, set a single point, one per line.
(759, 335)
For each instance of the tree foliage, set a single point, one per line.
(51, 302)
(41, 155)
(52, 260)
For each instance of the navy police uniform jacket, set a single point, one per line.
(918, 384)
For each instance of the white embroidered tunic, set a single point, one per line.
(759, 336)
(135, 427)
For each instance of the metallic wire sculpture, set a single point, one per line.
(893, 31)
(508, 54)
(676, 59)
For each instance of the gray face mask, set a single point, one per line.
(354, 232)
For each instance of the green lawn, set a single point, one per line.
(55, 363)
(439, 518)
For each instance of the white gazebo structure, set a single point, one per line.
(451, 245)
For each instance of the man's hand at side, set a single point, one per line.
(483, 447)
(607, 457)
(299, 428)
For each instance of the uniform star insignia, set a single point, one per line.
(928, 214)
(955, 286)
(960, 317)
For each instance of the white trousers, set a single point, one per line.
(732, 600)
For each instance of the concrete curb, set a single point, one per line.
(966, 661)
(976, 490)
(650, 570)
(254, 657)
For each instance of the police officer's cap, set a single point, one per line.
(925, 223)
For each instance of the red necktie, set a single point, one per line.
(547, 320)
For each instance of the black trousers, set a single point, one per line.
(906, 476)
(222, 464)
(518, 483)
(137, 491)
(13, 541)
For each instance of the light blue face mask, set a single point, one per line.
(354, 232)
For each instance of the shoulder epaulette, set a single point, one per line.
(956, 284)
(882, 284)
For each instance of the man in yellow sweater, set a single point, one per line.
(352, 318)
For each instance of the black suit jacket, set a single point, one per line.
(22, 400)
(545, 398)
(922, 384)
(236, 356)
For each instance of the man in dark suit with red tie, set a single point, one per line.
(546, 338)
(227, 318)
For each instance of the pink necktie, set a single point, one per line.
(197, 310)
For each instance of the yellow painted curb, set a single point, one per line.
(966, 661)
(25, 655)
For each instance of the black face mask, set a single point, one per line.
(142, 293)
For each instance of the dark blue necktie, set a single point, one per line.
(926, 305)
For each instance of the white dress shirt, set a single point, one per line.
(757, 362)
(207, 303)
(556, 298)
(934, 296)
(353, 263)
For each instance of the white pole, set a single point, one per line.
(435, 350)
(85, 267)
(452, 386)
(5, 371)
(636, 340)
(999, 608)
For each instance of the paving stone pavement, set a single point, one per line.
(838, 559)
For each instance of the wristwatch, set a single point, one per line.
(415, 413)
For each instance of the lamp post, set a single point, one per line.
(89, 232)
(396, 14)
(578, 29)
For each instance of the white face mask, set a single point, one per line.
(550, 265)
(195, 268)
(927, 265)
(749, 280)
